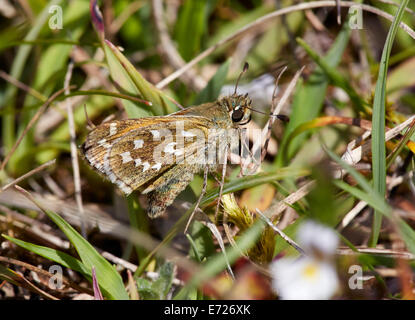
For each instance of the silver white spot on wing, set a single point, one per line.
(104, 143)
(170, 147)
(126, 157)
(178, 152)
(137, 162)
(146, 166)
(157, 166)
(138, 143)
(113, 128)
(126, 189)
(187, 134)
(155, 133)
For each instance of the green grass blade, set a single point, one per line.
(391, 157)
(108, 278)
(190, 28)
(60, 257)
(128, 78)
(19, 63)
(309, 97)
(374, 199)
(335, 77)
(378, 122)
(212, 89)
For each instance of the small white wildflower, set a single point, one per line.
(312, 276)
(304, 279)
(313, 236)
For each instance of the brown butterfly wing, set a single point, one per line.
(124, 151)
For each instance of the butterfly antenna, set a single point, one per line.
(245, 69)
(282, 117)
(90, 124)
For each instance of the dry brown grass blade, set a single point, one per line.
(19, 280)
(275, 210)
(74, 151)
(45, 273)
(378, 251)
(28, 174)
(353, 156)
(22, 86)
(169, 51)
(290, 241)
(33, 231)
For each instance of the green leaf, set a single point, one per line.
(374, 199)
(52, 254)
(128, 78)
(123, 79)
(146, 290)
(165, 279)
(159, 288)
(309, 97)
(191, 26)
(203, 246)
(336, 77)
(212, 89)
(108, 278)
(378, 122)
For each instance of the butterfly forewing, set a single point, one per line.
(132, 153)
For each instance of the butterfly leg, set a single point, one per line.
(225, 162)
(205, 174)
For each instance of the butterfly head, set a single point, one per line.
(239, 108)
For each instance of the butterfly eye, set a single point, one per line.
(237, 115)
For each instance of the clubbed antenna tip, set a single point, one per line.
(245, 69)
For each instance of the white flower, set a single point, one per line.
(314, 237)
(304, 279)
(312, 276)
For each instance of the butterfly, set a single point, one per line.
(160, 155)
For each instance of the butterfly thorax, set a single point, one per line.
(228, 112)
